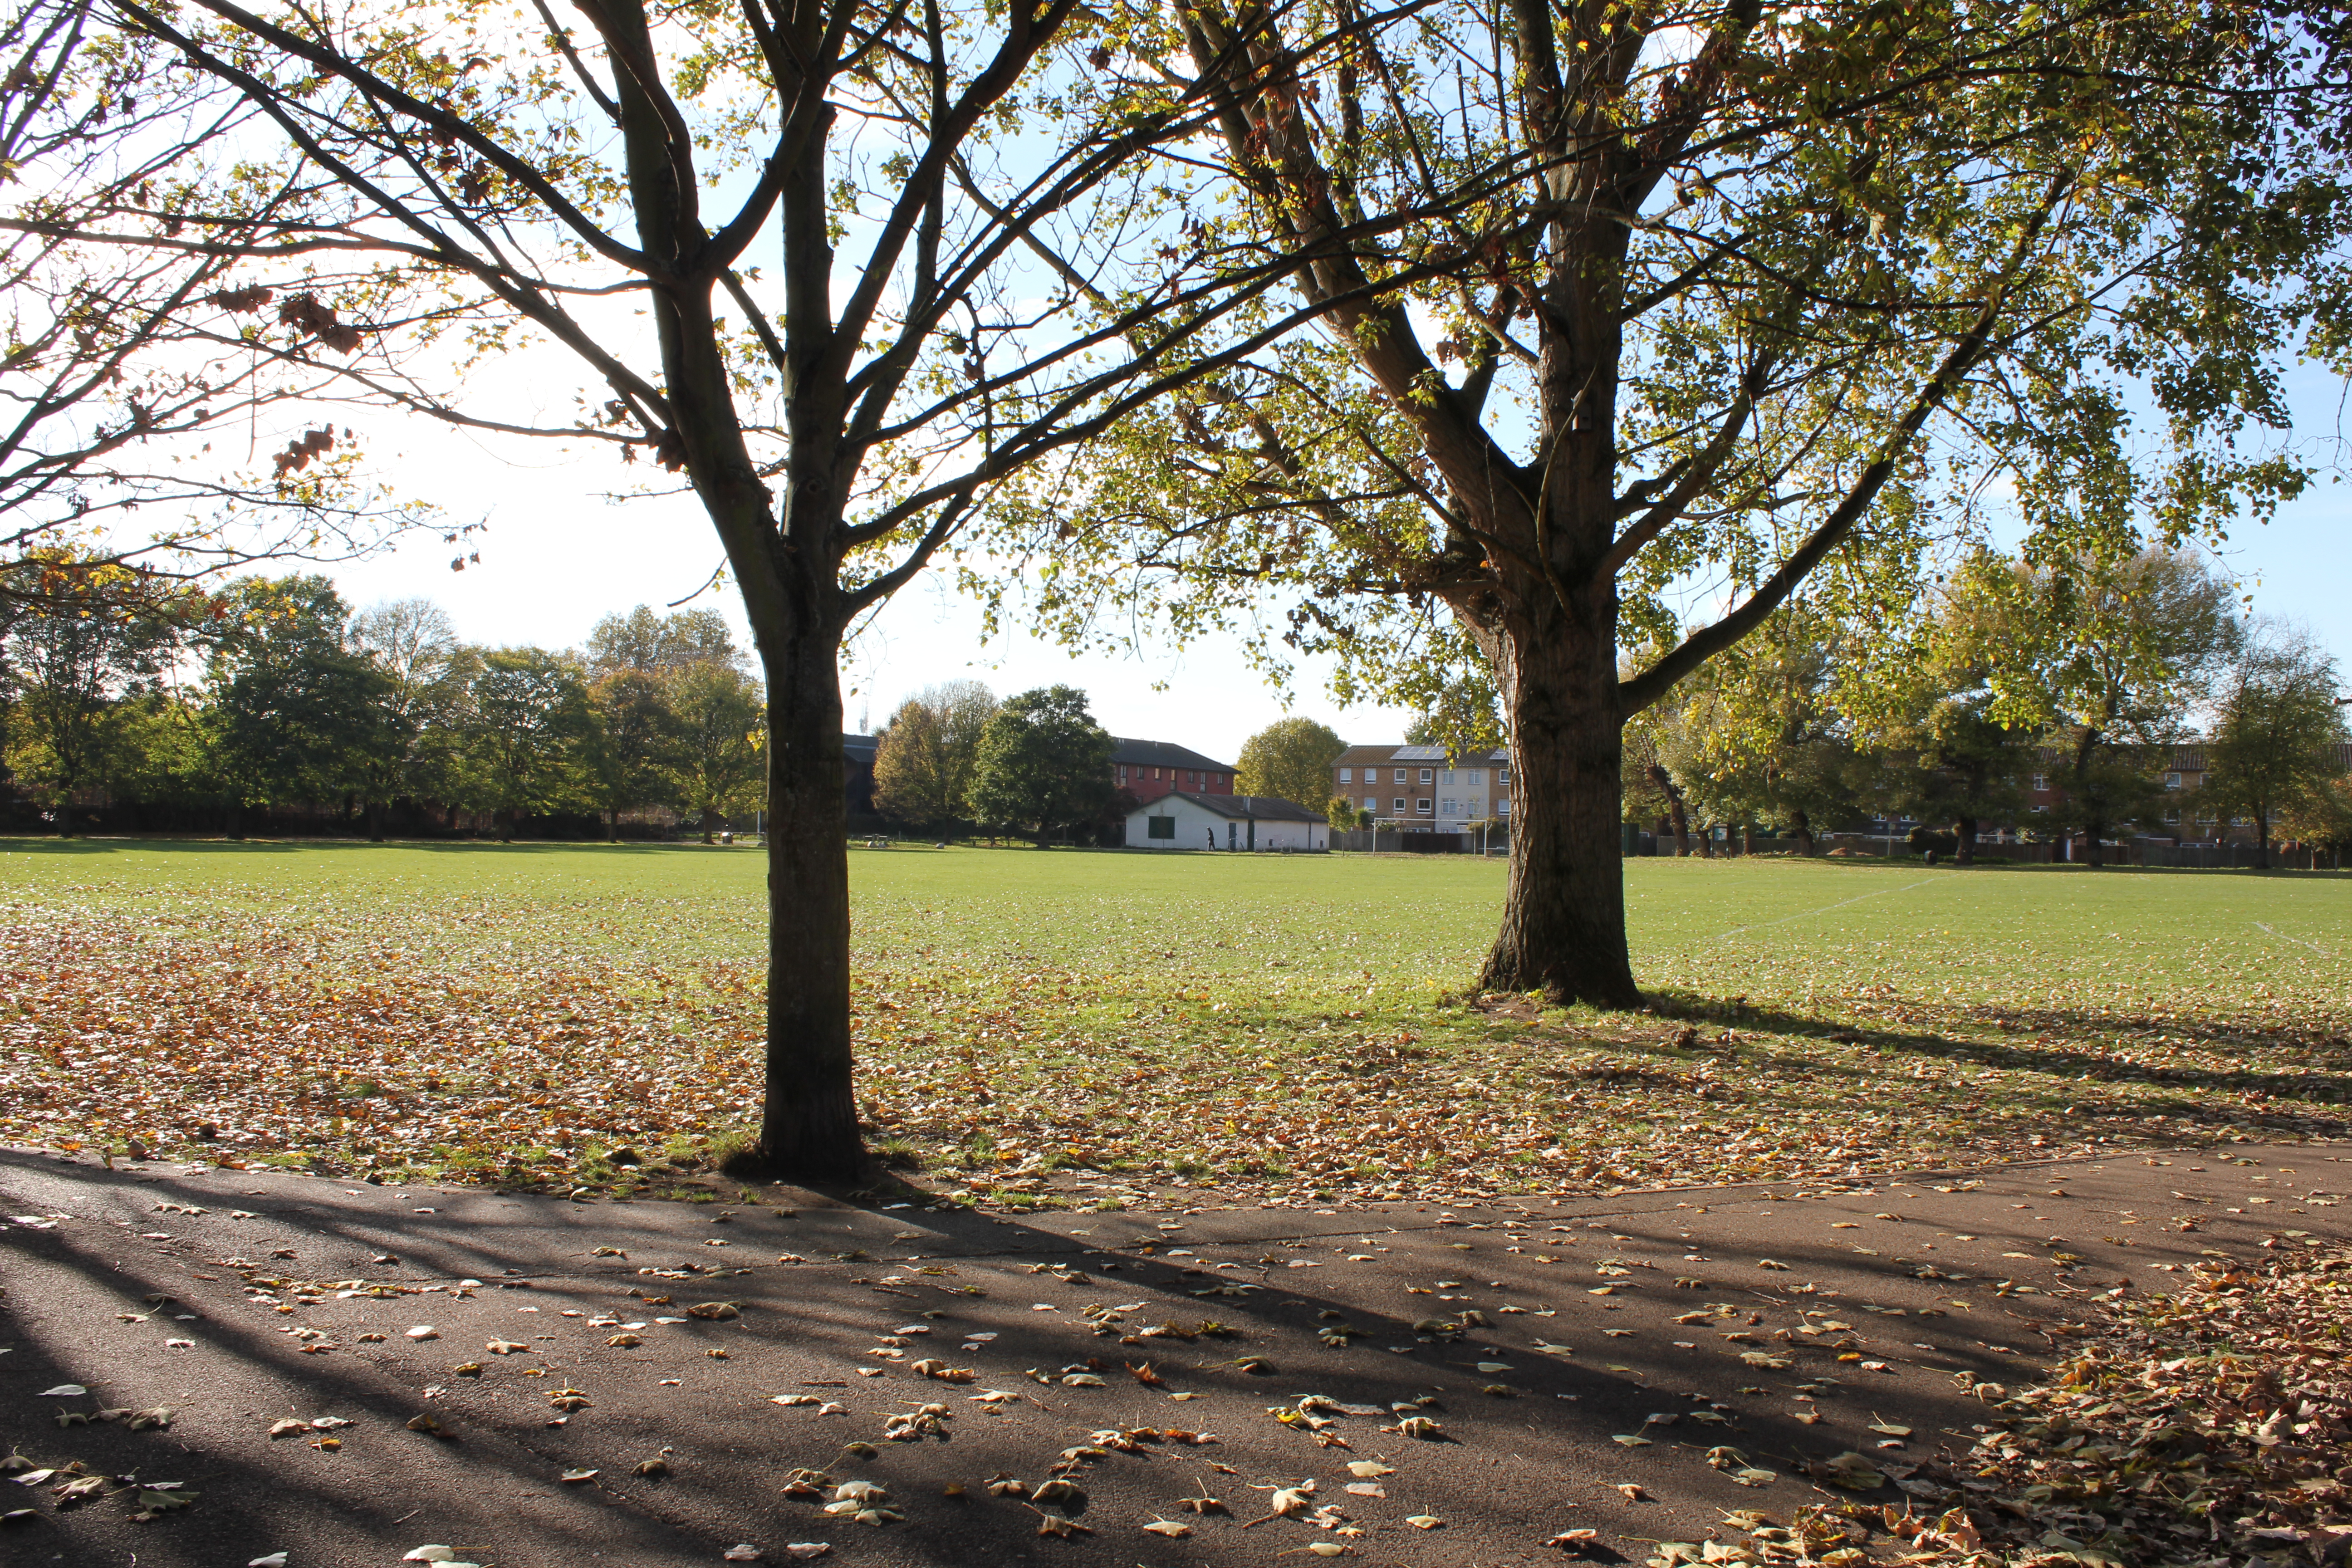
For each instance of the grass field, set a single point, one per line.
(1084, 1027)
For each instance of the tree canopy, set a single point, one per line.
(1773, 302)
(1043, 764)
(1290, 759)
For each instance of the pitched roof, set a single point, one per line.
(1373, 755)
(1164, 754)
(1245, 808)
(860, 747)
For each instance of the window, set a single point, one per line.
(1445, 808)
(2041, 781)
(1503, 806)
(1160, 826)
(2173, 817)
(1372, 803)
(1475, 776)
(1422, 807)
(1122, 773)
(1399, 806)
(1399, 778)
(1347, 776)
(1425, 775)
(2172, 781)
(1449, 778)
(1502, 778)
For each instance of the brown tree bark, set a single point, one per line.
(1563, 926)
(809, 1124)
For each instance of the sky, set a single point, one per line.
(557, 554)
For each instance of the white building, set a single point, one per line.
(1182, 821)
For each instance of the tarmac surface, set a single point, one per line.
(1580, 1363)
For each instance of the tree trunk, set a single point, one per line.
(810, 1123)
(710, 824)
(2092, 854)
(2262, 840)
(1965, 831)
(375, 822)
(1802, 824)
(613, 825)
(1563, 929)
(234, 830)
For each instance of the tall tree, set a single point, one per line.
(718, 728)
(65, 664)
(2276, 737)
(2110, 658)
(1767, 297)
(927, 756)
(292, 712)
(1755, 736)
(1290, 759)
(838, 405)
(413, 647)
(533, 733)
(638, 734)
(1045, 764)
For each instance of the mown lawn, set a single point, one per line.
(1072, 1026)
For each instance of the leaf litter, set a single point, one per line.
(571, 1056)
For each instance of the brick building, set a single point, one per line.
(1150, 769)
(1424, 786)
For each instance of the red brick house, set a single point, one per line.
(1150, 769)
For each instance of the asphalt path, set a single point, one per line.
(1637, 1367)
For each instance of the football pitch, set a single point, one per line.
(1070, 1026)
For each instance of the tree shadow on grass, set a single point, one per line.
(2313, 1100)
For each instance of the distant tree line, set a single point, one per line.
(272, 698)
(2086, 673)
(954, 759)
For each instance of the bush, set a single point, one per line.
(1920, 840)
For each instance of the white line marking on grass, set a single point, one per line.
(2296, 940)
(1784, 920)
